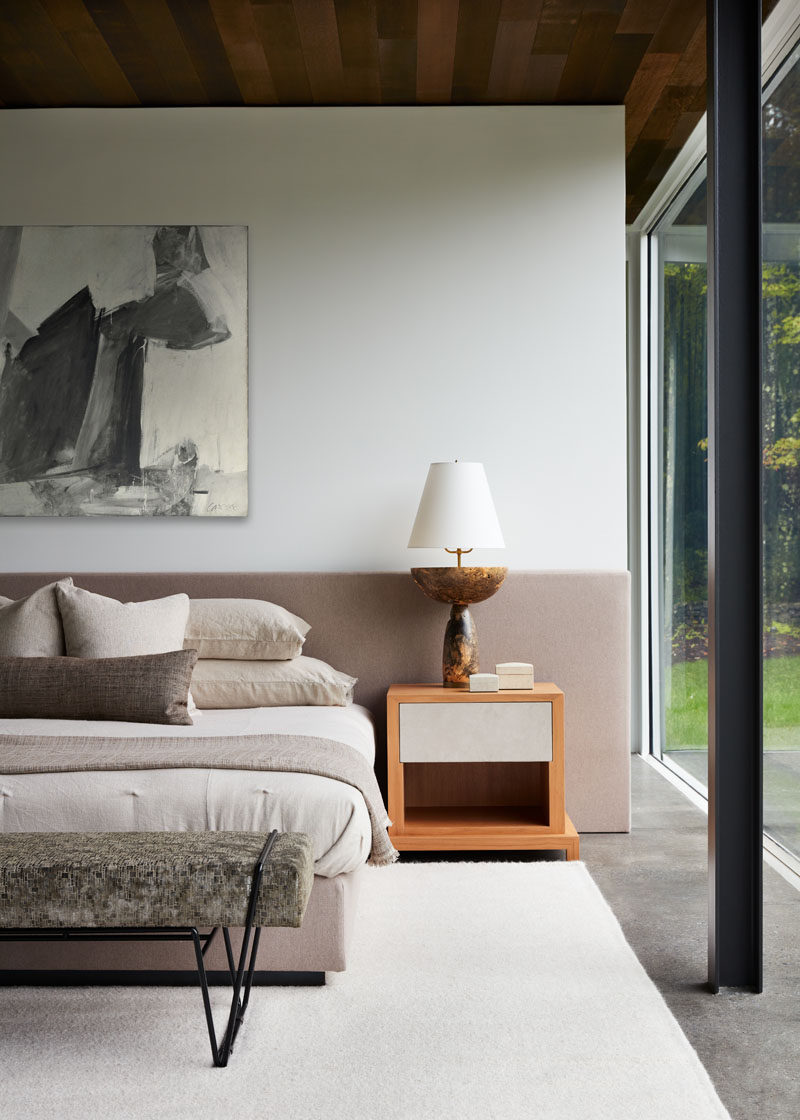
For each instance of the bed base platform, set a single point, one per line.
(295, 956)
(148, 978)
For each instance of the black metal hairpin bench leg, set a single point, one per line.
(241, 973)
(242, 978)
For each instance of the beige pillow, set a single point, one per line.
(269, 684)
(96, 626)
(149, 689)
(31, 627)
(243, 630)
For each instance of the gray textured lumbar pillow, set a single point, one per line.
(31, 627)
(148, 689)
(96, 626)
(244, 630)
(269, 684)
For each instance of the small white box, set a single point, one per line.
(515, 674)
(484, 682)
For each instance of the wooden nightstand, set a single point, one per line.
(477, 770)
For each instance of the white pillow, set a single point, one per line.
(31, 627)
(269, 684)
(96, 626)
(244, 630)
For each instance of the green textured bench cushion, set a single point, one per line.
(90, 879)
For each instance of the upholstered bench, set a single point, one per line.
(108, 886)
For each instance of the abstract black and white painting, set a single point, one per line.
(123, 372)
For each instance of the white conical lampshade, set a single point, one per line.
(456, 509)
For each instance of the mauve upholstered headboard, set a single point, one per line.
(574, 626)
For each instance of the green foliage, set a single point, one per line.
(687, 705)
(787, 331)
(785, 452)
(690, 640)
(782, 453)
(779, 281)
(685, 438)
(784, 628)
(684, 407)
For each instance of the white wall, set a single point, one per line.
(425, 284)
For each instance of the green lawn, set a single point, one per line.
(687, 708)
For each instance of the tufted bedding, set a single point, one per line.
(333, 813)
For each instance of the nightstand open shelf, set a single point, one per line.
(500, 782)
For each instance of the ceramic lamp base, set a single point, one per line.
(460, 655)
(459, 586)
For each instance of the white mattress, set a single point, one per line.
(332, 813)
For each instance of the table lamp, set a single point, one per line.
(456, 509)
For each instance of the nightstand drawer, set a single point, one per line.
(476, 732)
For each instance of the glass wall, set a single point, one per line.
(682, 623)
(680, 647)
(781, 455)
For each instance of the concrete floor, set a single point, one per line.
(655, 881)
(781, 789)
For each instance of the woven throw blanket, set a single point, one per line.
(303, 754)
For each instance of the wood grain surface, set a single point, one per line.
(452, 806)
(646, 54)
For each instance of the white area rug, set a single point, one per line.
(494, 991)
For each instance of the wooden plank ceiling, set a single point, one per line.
(649, 54)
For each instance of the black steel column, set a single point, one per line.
(735, 818)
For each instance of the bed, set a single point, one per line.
(187, 797)
(377, 627)
(333, 813)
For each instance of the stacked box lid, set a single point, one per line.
(515, 674)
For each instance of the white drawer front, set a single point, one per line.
(512, 732)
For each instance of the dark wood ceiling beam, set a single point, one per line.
(674, 101)
(22, 70)
(397, 19)
(397, 59)
(12, 90)
(82, 36)
(645, 185)
(516, 31)
(280, 38)
(437, 28)
(358, 42)
(475, 40)
(691, 67)
(33, 46)
(557, 26)
(684, 127)
(521, 11)
(319, 39)
(677, 26)
(198, 29)
(544, 78)
(159, 29)
(641, 17)
(593, 37)
(645, 91)
(397, 50)
(642, 157)
(622, 61)
(130, 49)
(237, 29)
